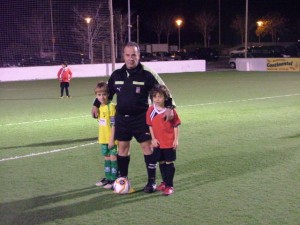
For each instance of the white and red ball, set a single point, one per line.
(121, 185)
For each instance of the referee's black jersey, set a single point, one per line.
(132, 88)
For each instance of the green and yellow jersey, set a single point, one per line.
(106, 120)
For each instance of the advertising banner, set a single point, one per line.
(283, 64)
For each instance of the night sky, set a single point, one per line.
(13, 12)
(187, 9)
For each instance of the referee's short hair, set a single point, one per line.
(132, 44)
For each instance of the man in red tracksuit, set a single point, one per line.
(64, 75)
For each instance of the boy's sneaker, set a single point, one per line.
(150, 187)
(109, 184)
(161, 187)
(168, 191)
(102, 182)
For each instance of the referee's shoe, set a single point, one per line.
(150, 188)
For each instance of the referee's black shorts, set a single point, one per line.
(128, 126)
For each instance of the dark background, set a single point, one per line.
(14, 12)
(187, 9)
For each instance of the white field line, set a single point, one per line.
(46, 152)
(194, 105)
(79, 146)
(241, 100)
(42, 121)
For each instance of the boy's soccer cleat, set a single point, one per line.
(161, 187)
(168, 191)
(109, 184)
(150, 187)
(101, 182)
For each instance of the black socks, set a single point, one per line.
(123, 164)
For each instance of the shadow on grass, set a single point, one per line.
(196, 172)
(53, 143)
(293, 136)
(206, 170)
(38, 210)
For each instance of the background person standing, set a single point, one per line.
(64, 76)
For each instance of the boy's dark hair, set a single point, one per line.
(101, 87)
(161, 89)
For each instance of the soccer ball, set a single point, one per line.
(121, 185)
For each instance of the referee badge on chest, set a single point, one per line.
(138, 90)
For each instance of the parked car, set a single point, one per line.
(238, 50)
(293, 50)
(209, 54)
(233, 57)
(164, 56)
(184, 55)
(148, 57)
(178, 55)
(72, 58)
(268, 51)
(24, 60)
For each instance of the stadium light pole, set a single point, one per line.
(137, 29)
(246, 28)
(52, 33)
(219, 23)
(129, 25)
(112, 38)
(179, 22)
(88, 21)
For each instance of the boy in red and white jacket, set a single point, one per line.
(164, 137)
(64, 75)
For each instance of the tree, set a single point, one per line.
(121, 29)
(168, 25)
(205, 22)
(156, 23)
(162, 23)
(37, 32)
(94, 33)
(273, 24)
(238, 24)
(261, 29)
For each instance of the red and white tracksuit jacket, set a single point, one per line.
(64, 74)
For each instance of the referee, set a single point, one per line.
(132, 84)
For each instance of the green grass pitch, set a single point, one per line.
(238, 160)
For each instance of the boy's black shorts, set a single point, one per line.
(164, 154)
(64, 84)
(128, 126)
